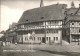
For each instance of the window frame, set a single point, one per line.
(56, 38)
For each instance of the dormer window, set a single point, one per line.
(72, 14)
(72, 23)
(26, 20)
(65, 12)
(42, 17)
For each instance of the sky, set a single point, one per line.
(12, 10)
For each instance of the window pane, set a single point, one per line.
(72, 23)
(79, 30)
(47, 38)
(25, 38)
(34, 38)
(38, 38)
(56, 38)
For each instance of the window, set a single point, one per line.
(47, 31)
(21, 38)
(34, 38)
(49, 22)
(55, 21)
(40, 38)
(56, 38)
(25, 38)
(52, 31)
(26, 20)
(22, 26)
(42, 17)
(39, 31)
(72, 23)
(65, 12)
(72, 14)
(55, 31)
(19, 26)
(79, 30)
(47, 38)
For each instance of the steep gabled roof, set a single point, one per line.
(72, 10)
(52, 12)
(73, 18)
(78, 11)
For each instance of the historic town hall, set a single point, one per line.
(48, 24)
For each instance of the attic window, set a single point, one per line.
(26, 20)
(72, 14)
(72, 23)
(42, 17)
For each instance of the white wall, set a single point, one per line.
(51, 35)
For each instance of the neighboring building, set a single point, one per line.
(11, 35)
(2, 37)
(42, 25)
(72, 24)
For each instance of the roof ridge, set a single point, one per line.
(45, 6)
(52, 11)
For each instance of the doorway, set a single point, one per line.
(43, 39)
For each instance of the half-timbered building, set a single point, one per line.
(41, 25)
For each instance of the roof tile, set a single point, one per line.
(52, 12)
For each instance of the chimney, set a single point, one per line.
(72, 5)
(41, 4)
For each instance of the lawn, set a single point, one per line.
(42, 50)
